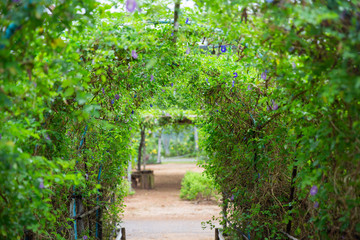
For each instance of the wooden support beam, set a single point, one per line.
(217, 234)
(123, 234)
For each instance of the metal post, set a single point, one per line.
(159, 148)
(196, 138)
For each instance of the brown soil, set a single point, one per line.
(161, 214)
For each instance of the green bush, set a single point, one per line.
(196, 186)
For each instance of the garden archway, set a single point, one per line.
(279, 107)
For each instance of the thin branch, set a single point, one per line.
(288, 235)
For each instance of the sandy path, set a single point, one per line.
(161, 214)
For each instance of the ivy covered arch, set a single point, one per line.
(277, 95)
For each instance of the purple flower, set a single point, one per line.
(263, 75)
(232, 197)
(233, 83)
(217, 110)
(268, 108)
(313, 190)
(259, 175)
(132, 112)
(103, 91)
(134, 54)
(47, 137)
(151, 78)
(0, 136)
(151, 105)
(188, 51)
(316, 204)
(172, 34)
(86, 176)
(172, 84)
(274, 106)
(35, 84)
(249, 88)
(269, 1)
(207, 80)
(167, 114)
(85, 237)
(187, 21)
(112, 101)
(131, 5)
(223, 49)
(41, 185)
(235, 75)
(130, 128)
(117, 96)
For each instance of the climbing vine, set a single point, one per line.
(274, 85)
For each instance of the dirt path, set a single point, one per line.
(161, 214)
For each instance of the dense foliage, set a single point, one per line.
(197, 186)
(277, 90)
(283, 139)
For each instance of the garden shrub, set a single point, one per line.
(195, 186)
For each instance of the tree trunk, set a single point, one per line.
(142, 141)
(292, 189)
(129, 173)
(176, 17)
(144, 152)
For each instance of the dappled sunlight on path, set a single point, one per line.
(161, 214)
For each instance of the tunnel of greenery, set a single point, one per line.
(275, 85)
